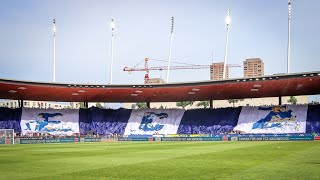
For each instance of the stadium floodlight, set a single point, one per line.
(112, 25)
(228, 21)
(289, 29)
(228, 18)
(169, 58)
(54, 29)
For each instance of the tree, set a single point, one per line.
(161, 107)
(205, 104)
(184, 104)
(292, 100)
(133, 106)
(141, 105)
(98, 105)
(314, 103)
(234, 101)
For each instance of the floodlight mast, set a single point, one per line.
(54, 29)
(169, 59)
(289, 34)
(228, 21)
(112, 25)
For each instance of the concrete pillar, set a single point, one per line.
(20, 103)
(280, 101)
(148, 105)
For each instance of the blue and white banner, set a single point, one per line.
(52, 121)
(277, 119)
(154, 121)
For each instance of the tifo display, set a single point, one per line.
(286, 122)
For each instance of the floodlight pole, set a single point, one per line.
(54, 50)
(289, 32)
(112, 37)
(228, 20)
(169, 59)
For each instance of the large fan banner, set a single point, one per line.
(276, 119)
(152, 121)
(51, 121)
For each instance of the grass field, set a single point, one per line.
(162, 160)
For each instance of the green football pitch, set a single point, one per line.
(162, 160)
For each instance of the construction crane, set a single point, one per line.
(146, 68)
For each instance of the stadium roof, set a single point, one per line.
(307, 83)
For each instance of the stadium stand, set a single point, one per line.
(209, 121)
(10, 119)
(103, 121)
(313, 119)
(196, 121)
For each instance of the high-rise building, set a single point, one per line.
(253, 67)
(216, 71)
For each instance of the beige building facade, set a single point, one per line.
(253, 67)
(156, 105)
(269, 101)
(35, 104)
(216, 71)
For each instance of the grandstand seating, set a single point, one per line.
(313, 119)
(103, 121)
(10, 118)
(209, 121)
(196, 121)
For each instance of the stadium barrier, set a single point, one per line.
(231, 137)
(276, 138)
(6, 141)
(91, 139)
(317, 138)
(134, 139)
(191, 138)
(50, 140)
(185, 137)
(55, 140)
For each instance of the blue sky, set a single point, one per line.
(83, 43)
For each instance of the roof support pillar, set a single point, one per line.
(86, 105)
(20, 103)
(148, 105)
(280, 101)
(211, 104)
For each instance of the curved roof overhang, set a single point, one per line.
(307, 83)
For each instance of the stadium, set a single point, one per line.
(252, 141)
(94, 143)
